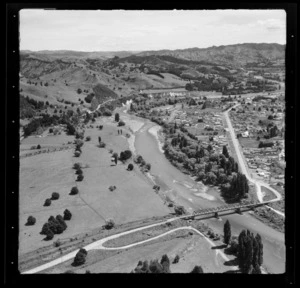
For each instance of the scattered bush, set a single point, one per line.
(79, 171)
(156, 187)
(30, 221)
(67, 215)
(55, 196)
(57, 243)
(76, 166)
(121, 123)
(47, 202)
(80, 177)
(77, 153)
(109, 224)
(74, 191)
(112, 188)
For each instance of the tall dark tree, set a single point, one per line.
(227, 232)
(117, 117)
(225, 151)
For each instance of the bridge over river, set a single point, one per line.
(237, 208)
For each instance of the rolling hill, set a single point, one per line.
(236, 55)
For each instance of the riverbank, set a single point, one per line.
(171, 180)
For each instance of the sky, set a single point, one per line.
(120, 30)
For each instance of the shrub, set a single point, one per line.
(121, 123)
(179, 210)
(109, 224)
(156, 187)
(76, 166)
(130, 167)
(38, 146)
(77, 153)
(88, 138)
(79, 171)
(55, 196)
(67, 215)
(47, 202)
(80, 177)
(112, 188)
(74, 191)
(30, 221)
(102, 145)
(148, 166)
(50, 130)
(176, 259)
(57, 243)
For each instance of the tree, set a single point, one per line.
(88, 138)
(117, 117)
(61, 221)
(125, 155)
(30, 221)
(76, 166)
(79, 171)
(121, 123)
(165, 262)
(130, 167)
(80, 257)
(47, 202)
(55, 196)
(227, 232)
(80, 177)
(176, 259)
(74, 191)
(79, 91)
(197, 269)
(179, 210)
(38, 146)
(67, 215)
(225, 151)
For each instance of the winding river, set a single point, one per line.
(184, 190)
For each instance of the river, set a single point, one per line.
(184, 190)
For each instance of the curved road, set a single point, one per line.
(243, 168)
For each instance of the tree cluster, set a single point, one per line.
(53, 226)
(250, 252)
(155, 266)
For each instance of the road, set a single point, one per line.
(243, 167)
(99, 245)
(100, 242)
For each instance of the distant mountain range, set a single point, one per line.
(81, 54)
(236, 55)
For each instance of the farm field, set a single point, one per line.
(43, 174)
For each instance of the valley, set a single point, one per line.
(68, 110)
